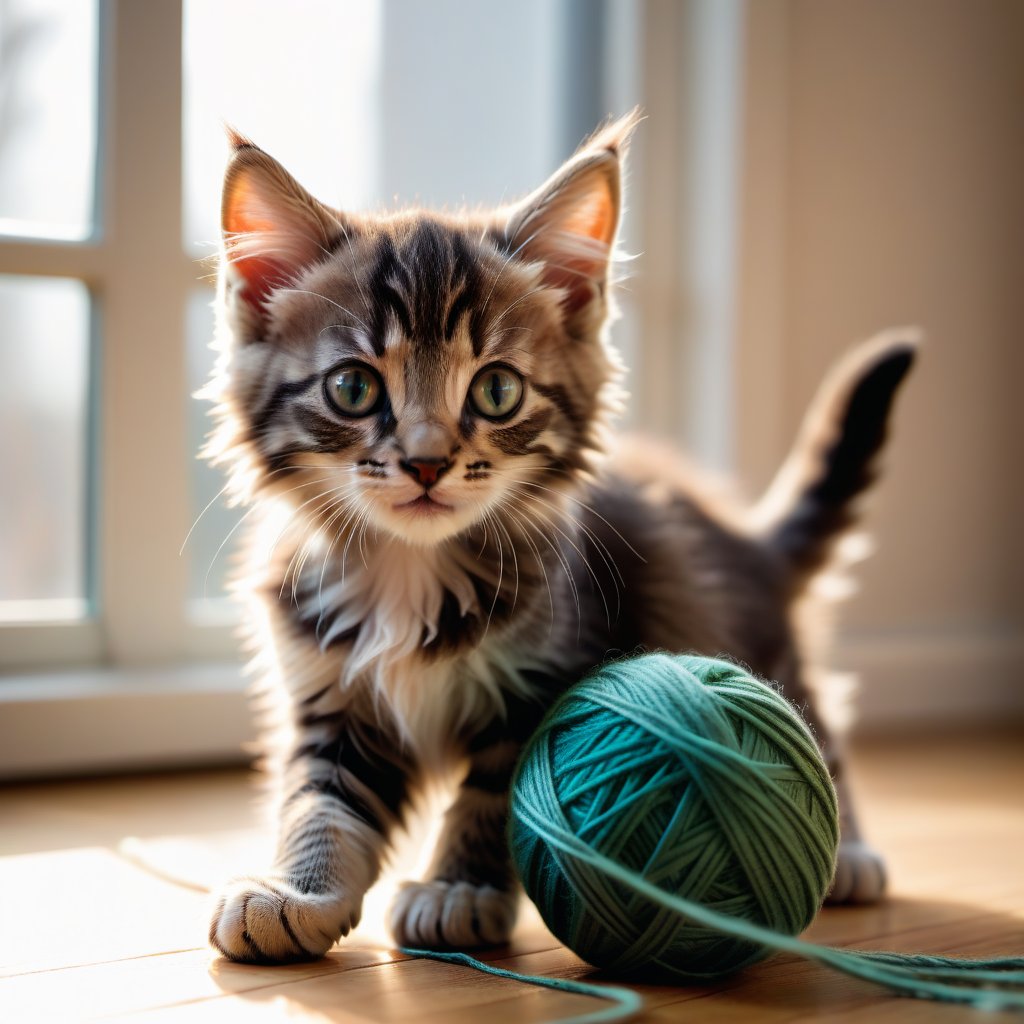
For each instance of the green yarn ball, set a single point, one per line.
(692, 774)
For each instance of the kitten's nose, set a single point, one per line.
(430, 445)
(426, 470)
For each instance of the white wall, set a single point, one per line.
(883, 184)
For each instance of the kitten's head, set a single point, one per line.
(417, 371)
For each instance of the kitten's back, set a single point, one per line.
(700, 570)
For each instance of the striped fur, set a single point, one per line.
(411, 623)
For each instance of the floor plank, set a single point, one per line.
(103, 914)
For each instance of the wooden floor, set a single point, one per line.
(102, 914)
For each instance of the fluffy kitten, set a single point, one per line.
(419, 405)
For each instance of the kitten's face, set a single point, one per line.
(416, 374)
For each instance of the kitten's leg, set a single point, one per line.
(471, 896)
(860, 870)
(344, 791)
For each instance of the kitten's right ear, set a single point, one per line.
(568, 226)
(272, 227)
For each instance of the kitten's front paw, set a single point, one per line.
(452, 915)
(268, 921)
(860, 875)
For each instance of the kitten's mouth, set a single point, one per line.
(424, 505)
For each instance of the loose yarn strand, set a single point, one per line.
(627, 1002)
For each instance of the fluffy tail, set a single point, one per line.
(811, 502)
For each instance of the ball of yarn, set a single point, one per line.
(698, 778)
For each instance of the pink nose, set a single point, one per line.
(426, 471)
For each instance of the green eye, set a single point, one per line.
(354, 390)
(496, 392)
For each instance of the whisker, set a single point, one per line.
(501, 573)
(337, 305)
(352, 512)
(562, 560)
(602, 549)
(577, 501)
(213, 500)
(508, 259)
(515, 302)
(348, 543)
(483, 543)
(515, 560)
(507, 510)
(242, 519)
(579, 551)
(299, 556)
(352, 268)
(362, 536)
(294, 513)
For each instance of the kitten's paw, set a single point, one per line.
(860, 875)
(452, 915)
(268, 921)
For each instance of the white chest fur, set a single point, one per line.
(390, 603)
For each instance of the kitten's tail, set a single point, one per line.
(810, 504)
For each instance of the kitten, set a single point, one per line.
(419, 406)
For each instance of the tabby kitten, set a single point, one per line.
(418, 405)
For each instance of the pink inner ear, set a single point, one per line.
(575, 252)
(571, 235)
(268, 243)
(593, 219)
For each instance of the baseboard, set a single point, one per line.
(926, 681)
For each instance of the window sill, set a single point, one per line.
(106, 719)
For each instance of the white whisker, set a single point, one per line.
(507, 510)
(576, 548)
(337, 305)
(242, 519)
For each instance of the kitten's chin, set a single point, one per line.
(424, 522)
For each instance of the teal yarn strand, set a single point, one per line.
(673, 820)
(625, 1002)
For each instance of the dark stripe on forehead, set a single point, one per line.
(390, 299)
(466, 271)
(431, 254)
(458, 308)
(477, 333)
(429, 279)
(387, 277)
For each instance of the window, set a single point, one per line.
(112, 139)
(48, 118)
(44, 385)
(48, 187)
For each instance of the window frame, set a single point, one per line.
(138, 655)
(138, 275)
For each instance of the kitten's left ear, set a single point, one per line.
(272, 227)
(569, 224)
